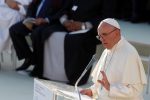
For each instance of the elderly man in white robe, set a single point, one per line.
(11, 11)
(119, 73)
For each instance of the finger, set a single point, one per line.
(101, 82)
(83, 92)
(103, 74)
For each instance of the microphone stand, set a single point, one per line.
(84, 72)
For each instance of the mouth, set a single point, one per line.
(105, 43)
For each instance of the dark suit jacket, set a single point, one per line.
(79, 48)
(50, 11)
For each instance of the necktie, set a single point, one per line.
(42, 11)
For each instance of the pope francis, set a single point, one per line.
(119, 73)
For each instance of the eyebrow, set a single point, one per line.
(109, 32)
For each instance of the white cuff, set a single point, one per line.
(88, 25)
(47, 20)
(2, 2)
(83, 27)
(22, 10)
(94, 92)
(63, 19)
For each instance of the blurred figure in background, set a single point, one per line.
(39, 14)
(148, 10)
(69, 45)
(11, 12)
(138, 11)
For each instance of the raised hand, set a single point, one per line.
(104, 82)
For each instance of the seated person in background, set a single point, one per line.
(69, 46)
(119, 73)
(40, 13)
(138, 11)
(11, 11)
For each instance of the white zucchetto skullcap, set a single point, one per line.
(111, 21)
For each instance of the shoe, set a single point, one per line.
(25, 65)
(33, 74)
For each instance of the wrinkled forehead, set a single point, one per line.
(105, 26)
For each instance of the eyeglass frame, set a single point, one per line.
(98, 37)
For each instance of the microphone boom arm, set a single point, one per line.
(84, 72)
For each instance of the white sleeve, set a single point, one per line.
(23, 6)
(125, 91)
(63, 18)
(24, 2)
(22, 10)
(2, 2)
(94, 91)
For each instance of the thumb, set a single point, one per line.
(101, 82)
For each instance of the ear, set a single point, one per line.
(118, 33)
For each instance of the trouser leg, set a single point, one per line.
(17, 34)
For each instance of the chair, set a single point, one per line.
(13, 58)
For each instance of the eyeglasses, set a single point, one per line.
(105, 34)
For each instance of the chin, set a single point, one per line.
(107, 47)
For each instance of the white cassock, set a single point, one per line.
(124, 71)
(8, 17)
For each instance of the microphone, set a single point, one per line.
(93, 59)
